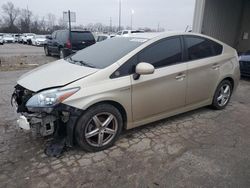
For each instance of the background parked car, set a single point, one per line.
(20, 38)
(126, 33)
(1, 39)
(26, 39)
(16, 37)
(245, 64)
(8, 38)
(38, 40)
(59, 42)
(102, 37)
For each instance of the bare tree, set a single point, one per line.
(10, 15)
(43, 26)
(35, 25)
(62, 24)
(25, 20)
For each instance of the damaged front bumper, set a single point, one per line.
(58, 121)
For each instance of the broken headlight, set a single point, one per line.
(49, 98)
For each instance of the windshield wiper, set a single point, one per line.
(81, 62)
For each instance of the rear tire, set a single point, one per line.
(98, 128)
(222, 95)
(46, 50)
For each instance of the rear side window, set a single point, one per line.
(164, 53)
(82, 36)
(217, 48)
(199, 48)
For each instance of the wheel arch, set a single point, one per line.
(230, 79)
(117, 105)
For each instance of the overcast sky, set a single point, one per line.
(170, 14)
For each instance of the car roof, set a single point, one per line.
(152, 35)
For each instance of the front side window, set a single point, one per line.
(199, 48)
(164, 53)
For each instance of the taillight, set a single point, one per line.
(68, 44)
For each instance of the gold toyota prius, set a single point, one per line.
(124, 82)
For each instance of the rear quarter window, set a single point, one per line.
(199, 48)
(218, 48)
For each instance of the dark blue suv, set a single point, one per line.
(59, 42)
(245, 64)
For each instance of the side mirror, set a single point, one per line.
(143, 69)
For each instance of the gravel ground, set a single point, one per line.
(19, 56)
(202, 148)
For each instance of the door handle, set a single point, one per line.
(180, 77)
(216, 66)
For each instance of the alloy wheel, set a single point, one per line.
(101, 129)
(224, 95)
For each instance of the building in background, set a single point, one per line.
(226, 20)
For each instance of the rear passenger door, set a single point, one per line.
(203, 68)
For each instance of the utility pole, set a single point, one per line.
(70, 29)
(28, 14)
(110, 24)
(158, 27)
(131, 24)
(120, 14)
(132, 13)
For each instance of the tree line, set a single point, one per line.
(16, 20)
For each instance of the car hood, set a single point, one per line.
(55, 74)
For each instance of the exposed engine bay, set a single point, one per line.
(58, 121)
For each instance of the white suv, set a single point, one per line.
(126, 33)
(1, 39)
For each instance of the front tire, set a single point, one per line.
(222, 95)
(98, 128)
